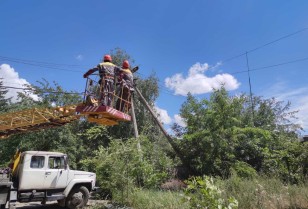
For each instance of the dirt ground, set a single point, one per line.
(53, 205)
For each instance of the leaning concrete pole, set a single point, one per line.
(170, 140)
(135, 123)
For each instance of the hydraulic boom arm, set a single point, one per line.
(34, 119)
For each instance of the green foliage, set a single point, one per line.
(121, 166)
(244, 170)
(8, 148)
(201, 192)
(95, 137)
(119, 55)
(222, 131)
(48, 96)
(4, 102)
(55, 95)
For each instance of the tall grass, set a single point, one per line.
(257, 193)
(265, 193)
(156, 199)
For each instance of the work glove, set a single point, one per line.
(135, 69)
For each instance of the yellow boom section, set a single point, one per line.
(34, 119)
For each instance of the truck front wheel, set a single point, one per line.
(77, 198)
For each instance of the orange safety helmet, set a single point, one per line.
(107, 58)
(125, 64)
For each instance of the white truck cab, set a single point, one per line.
(45, 176)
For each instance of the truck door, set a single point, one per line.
(32, 176)
(56, 173)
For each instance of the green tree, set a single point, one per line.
(219, 134)
(55, 95)
(119, 55)
(4, 102)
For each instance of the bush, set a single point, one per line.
(243, 170)
(202, 193)
(121, 167)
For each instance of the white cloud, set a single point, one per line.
(12, 79)
(163, 115)
(302, 106)
(198, 83)
(167, 120)
(179, 120)
(79, 57)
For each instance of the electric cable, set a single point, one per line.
(270, 66)
(40, 62)
(43, 66)
(31, 89)
(266, 44)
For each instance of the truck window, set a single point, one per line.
(56, 162)
(37, 161)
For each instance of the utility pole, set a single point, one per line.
(169, 138)
(135, 123)
(251, 101)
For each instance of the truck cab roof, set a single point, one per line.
(42, 153)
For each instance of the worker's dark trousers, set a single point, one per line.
(107, 92)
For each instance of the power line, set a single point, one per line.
(283, 37)
(271, 66)
(40, 62)
(43, 66)
(266, 44)
(31, 89)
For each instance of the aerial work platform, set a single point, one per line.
(100, 103)
(104, 115)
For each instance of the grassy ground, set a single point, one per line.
(149, 199)
(265, 193)
(157, 199)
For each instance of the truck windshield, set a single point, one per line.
(56, 162)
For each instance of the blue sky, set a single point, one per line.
(187, 44)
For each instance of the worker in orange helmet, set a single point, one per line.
(107, 72)
(125, 87)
